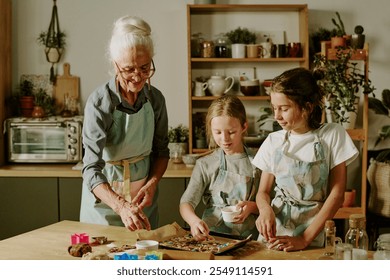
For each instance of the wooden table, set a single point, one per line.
(51, 243)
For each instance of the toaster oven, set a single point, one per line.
(51, 139)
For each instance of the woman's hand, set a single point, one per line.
(144, 196)
(265, 223)
(133, 217)
(287, 243)
(200, 230)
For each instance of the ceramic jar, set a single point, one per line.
(219, 85)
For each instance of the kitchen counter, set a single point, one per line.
(66, 170)
(51, 243)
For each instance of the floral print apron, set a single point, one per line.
(228, 189)
(301, 189)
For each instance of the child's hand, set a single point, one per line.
(200, 230)
(265, 223)
(246, 209)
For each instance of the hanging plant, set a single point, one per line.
(53, 40)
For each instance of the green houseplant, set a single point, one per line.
(240, 37)
(43, 104)
(338, 38)
(342, 82)
(178, 142)
(25, 98)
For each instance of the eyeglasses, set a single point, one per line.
(145, 71)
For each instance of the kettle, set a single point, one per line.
(219, 85)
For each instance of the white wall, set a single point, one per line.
(88, 23)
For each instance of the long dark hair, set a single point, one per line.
(300, 86)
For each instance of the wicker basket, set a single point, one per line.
(378, 175)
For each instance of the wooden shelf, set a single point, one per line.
(211, 20)
(360, 134)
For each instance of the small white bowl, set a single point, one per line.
(190, 159)
(146, 245)
(229, 212)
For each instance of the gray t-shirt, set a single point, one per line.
(206, 170)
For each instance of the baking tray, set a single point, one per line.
(221, 243)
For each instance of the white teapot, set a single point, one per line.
(219, 85)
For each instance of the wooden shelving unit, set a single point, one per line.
(211, 20)
(360, 134)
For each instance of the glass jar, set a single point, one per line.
(196, 44)
(221, 49)
(330, 238)
(207, 49)
(357, 236)
(382, 247)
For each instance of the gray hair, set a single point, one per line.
(129, 32)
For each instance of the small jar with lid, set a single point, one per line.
(221, 43)
(357, 236)
(207, 49)
(196, 44)
(330, 237)
(382, 245)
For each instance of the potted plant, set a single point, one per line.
(26, 98)
(178, 141)
(54, 44)
(200, 137)
(338, 38)
(358, 38)
(43, 104)
(342, 83)
(240, 37)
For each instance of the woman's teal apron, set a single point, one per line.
(127, 155)
(228, 189)
(300, 192)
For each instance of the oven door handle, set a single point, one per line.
(26, 125)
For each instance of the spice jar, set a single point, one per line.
(207, 49)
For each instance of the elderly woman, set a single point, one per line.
(125, 135)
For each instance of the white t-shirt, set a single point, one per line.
(337, 144)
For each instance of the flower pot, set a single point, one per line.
(38, 112)
(238, 50)
(357, 41)
(53, 55)
(26, 105)
(338, 42)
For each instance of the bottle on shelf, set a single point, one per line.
(357, 236)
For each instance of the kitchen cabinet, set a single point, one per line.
(5, 68)
(69, 198)
(27, 204)
(284, 23)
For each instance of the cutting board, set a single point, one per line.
(66, 85)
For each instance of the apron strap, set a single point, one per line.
(126, 173)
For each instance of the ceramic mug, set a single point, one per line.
(294, 49)
(200, 88)
(252, 50)
(265, 50)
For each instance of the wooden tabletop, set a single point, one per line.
(67, 170)
(52, 242)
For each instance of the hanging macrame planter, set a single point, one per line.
(54, 41)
